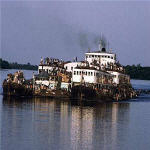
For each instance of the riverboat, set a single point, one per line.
(99, 77)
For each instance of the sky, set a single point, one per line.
(66, 29)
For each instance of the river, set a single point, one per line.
(48, 124)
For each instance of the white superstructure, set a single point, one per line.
(102, 58)
(90, 75)
(50, 64)
(71, 65)
(99, 67)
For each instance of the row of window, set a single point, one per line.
(98, 56)
(87, 73)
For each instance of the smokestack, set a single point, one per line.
(103, 49)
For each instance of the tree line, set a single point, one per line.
(138, 72)
(7, 65)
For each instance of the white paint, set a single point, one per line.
(102, 58)
(70, 66)
(88, 75)
(49, 83)
(46, 68)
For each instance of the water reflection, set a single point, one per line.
(53, 124)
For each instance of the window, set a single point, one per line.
(91, 73)
(40, 70)
(74, 72)
(79, 72)
(88, 73)
(108, 56)
(111, 57)
(94, 73)
(93, 56)
(71, 68)
(66, 67)
(97, 74)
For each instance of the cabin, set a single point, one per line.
(89, 75)
(53, 80)
(102, 56)
(69, 66)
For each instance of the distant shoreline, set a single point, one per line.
(7, 65)
(138, 72)
(17, 69)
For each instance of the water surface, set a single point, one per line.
(49, 124)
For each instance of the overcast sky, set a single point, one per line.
(66, 29)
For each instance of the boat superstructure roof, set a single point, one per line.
(99, 52)
(91, 68)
